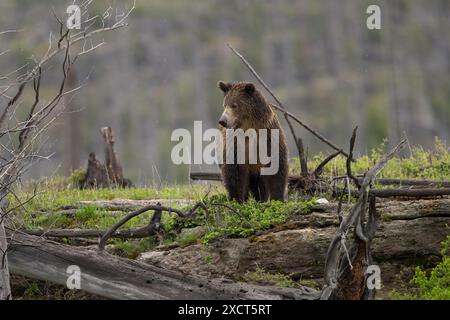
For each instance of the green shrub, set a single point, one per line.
(431, 286)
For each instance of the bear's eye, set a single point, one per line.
(234, 106)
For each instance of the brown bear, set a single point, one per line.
(246, 108)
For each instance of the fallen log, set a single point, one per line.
(411, 193)
(410, 233)
(296, 180)
(92, 233)
(118, 278)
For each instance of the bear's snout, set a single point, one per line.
(223, 121)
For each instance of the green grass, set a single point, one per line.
(43, 210)
(225, 218)
(132, 248)
(49, 198)
(419, 164)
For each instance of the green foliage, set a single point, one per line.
(420, 164)
(87, 213)
(231, 219)
(26, 289)
(434, 285)
(77, 176)
(187, 239)
(58, 192)
(132, 248)
(262, 277)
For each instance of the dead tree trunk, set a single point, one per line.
(118, 278)
(96, 176)
(105, 175)
(5, 288)
(345, 268)
(113, 166)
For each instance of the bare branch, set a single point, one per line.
(280, 106)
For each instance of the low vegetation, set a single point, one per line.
(433, 285)
(416, 164)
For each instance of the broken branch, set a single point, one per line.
(280, 106)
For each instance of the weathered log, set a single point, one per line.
(92, 233)
(411, 193)
(409, 234)
(295, 179)
(118, 278)
(127, 204)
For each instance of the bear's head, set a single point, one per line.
(244, 106)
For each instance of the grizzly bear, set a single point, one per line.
(246, 108)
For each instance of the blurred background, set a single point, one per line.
(318, 56)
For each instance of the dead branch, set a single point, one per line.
(325, 161)
(344, 268)
(155, 219)
(350, 156)
(299, 144)
(302, 158)
(280, 106)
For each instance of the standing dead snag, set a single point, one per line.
(345, 268)
(100, 175)
(113, 167)
(96, 176)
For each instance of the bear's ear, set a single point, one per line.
(249, 88)
(225, 87)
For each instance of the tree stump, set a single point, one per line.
(109, 174)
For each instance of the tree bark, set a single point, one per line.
(5, 289)
(118, 278)
(110, 173)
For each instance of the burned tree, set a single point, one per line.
(109, 174)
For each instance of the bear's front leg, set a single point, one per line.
(277, 184)
(258, 188)
(236, 180)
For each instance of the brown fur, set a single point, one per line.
(245, 108)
